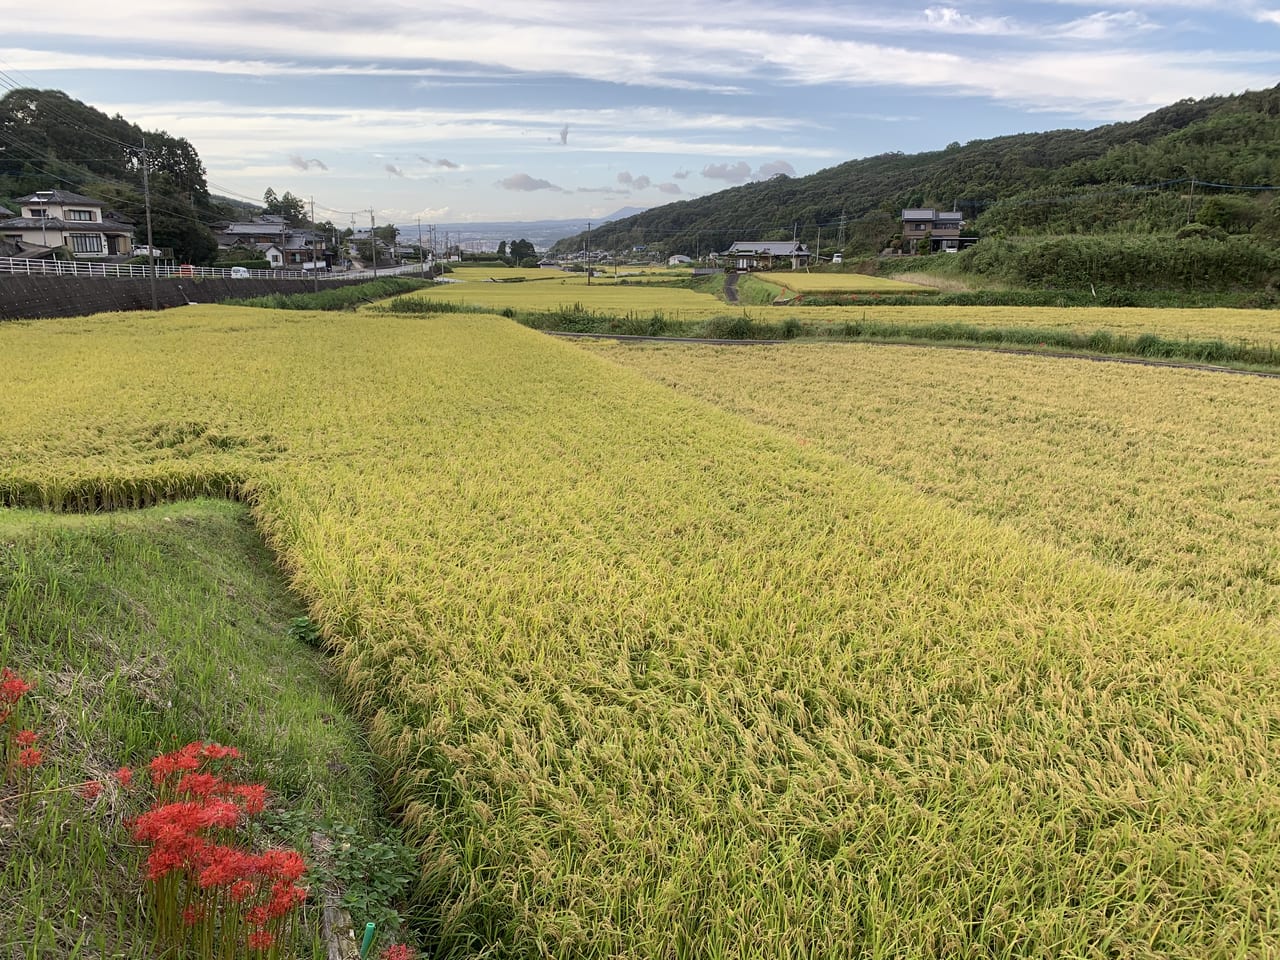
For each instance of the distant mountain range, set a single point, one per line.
(543, 234)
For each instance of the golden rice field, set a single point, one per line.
(1169, 473)
(653, 681)
(800, 281)
(565, 290)
(603, 295)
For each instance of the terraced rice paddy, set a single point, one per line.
(650, 680)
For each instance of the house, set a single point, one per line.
(679, 260)
(272, 253)
(765, 255)
(940, 229)
(59, 218)
(6, 213)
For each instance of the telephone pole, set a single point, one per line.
(373, 244)
(588, 252)
(422, 256)
(151, 250)
(314, 270)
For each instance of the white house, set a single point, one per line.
(59, 218)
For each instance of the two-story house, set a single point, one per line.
(59, 218)
(939, 228)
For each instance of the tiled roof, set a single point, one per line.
(775, 248)
(61, 196)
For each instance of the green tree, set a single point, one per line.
(521, 251)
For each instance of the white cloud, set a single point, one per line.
(524, 182)
(774, 168)
(739, 172)
(672, 188)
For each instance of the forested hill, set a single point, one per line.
(51, 141)
(1061, 181)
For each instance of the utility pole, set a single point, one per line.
(422, 256)
(588, 252)
(314, 269)
(151, 250)
(373, 244)
(817, 250)
(842, 222)
(1191, 198)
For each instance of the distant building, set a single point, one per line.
(765, 255)
(939, 228)
(59, 218)
(679, 260)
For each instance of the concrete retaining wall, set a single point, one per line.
(31, 297)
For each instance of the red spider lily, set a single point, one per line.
(253, 796)
(125, 776)
(397, 952)
(26, 738)
(260, 939)
(12, 687)
(227, 866)
(30, 758)
(284, 897)
(241, 890)
(288, 865)
(91, 789)
(193, 914)
(213, 751)
(201, 785)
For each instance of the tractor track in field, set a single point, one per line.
(1052, 354)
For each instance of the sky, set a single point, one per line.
(560, 109)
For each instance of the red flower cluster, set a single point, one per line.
(397, 952)
(226, 889)
(12, 687)
(18, 749)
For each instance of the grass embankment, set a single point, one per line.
(141, 632)
(336, 298)
(655, 681)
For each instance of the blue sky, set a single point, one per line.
(497, 110)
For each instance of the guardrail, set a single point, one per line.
(137, 271)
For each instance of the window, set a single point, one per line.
(917, 226)
(86, 243)
(39, 213)
(80, 215)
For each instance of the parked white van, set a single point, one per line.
(239, 273)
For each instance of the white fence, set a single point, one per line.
(89, 268)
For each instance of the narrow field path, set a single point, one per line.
(730, 288)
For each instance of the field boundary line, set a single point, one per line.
(1051, 354)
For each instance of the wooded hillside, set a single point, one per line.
(51, 141)
(1148, 176)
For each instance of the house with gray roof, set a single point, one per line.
(765, 255)
(59, 218)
